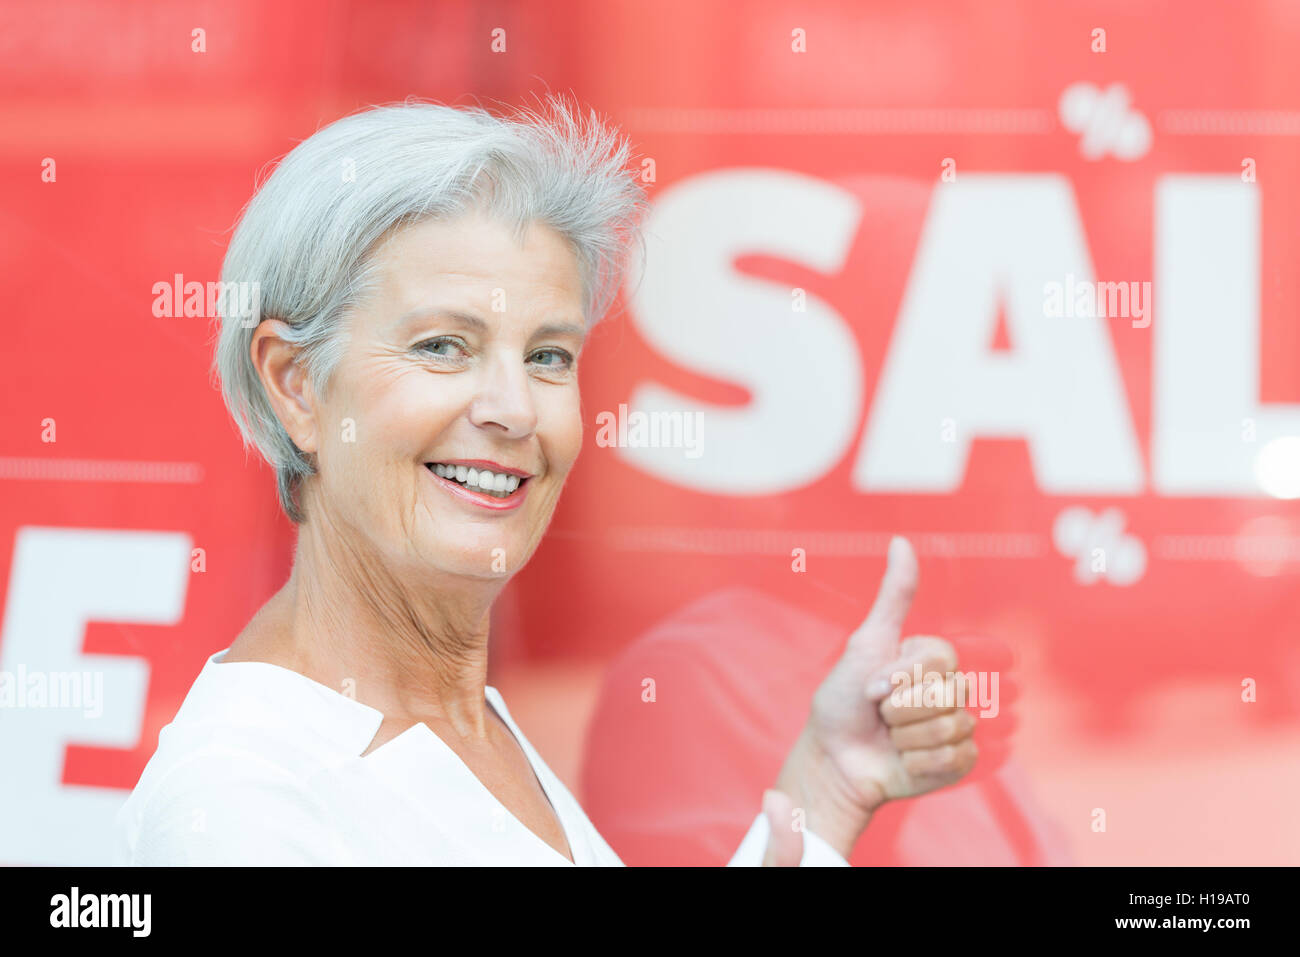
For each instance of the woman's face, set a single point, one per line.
(463, 360)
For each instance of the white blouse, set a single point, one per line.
(263, 765)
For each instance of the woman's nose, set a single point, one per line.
(504, 398)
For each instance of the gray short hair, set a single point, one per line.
(304, 244)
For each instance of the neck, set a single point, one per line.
(417, 650)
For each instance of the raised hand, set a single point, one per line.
(870, 737)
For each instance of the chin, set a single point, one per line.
(477, 553)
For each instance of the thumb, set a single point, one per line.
(785, 844)
(879, 634)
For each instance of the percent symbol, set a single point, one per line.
(1099, 546)
(1104, 121)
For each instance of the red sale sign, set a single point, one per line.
(1015, 281)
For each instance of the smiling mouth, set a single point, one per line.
(483, 481)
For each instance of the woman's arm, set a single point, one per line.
(774, 839)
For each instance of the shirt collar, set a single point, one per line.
(267, 696)
(263, 694)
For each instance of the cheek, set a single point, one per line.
(561, 425)
(374, 429)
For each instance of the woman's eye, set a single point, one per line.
(440, 347)
(553, 358)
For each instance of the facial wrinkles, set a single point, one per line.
(345, 560)
(378, 385)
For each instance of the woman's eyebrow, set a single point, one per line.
(422, 312)
(576, 330)
(562, 329)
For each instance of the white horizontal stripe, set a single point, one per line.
(100, 470)
(765, 541)
(1230, 122)
(1227, 548)
(836, 120)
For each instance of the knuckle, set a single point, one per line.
(945, 758)
(947, 728)
(913, 762)
(947, 654)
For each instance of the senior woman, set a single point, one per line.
(425, 278)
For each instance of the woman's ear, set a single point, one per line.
(287, 385)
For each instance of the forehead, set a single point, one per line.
(476, 259)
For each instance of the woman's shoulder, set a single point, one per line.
(260, 711)
(235, 777)
(221, 803)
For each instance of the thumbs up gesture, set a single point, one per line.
(872, 737)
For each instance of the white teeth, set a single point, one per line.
(498, 484)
